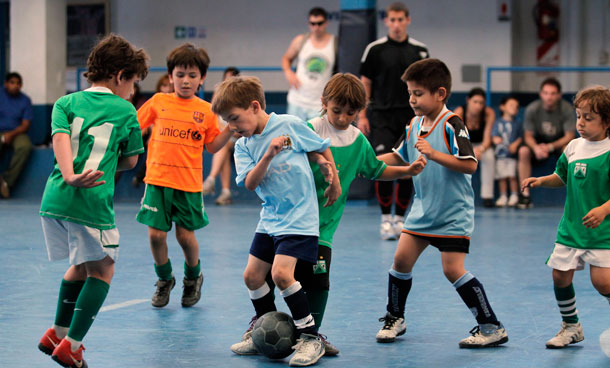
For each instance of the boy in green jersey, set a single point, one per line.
(95, 133)
(583, 236)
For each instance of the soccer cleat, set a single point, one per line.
(248, 332)
(386, 230)
(224, 198)
(484, 336)
(308, 350)
(245, 347)
(513, 200)
(329, 349)
(161, 296)
(192, 291)
(392, 327)
(49, 342)
(525, 203)
(502, 201)
(64, 355)
(570, 333)
(209, 186)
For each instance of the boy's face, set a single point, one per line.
(422, 101)
(13, 86)
(186, 80)
(550, 96)
(589, 123)
(242, 121)
(510, 107)
(340, 116)
(397, 23)
(125, 87)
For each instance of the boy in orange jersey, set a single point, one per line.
(182, 124)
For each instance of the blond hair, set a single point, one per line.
(237, 92)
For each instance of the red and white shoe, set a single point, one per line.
(49, 342)
(64, 355)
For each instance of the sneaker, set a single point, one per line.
(248, 332)
(308, 350)
(570, 333)
(245, 347)
(484, 336)
(224, 198)
(502, 201)
(488, 203)
(329, 349)
(392, 327)
(4, 189)
(386, 230)
(161, 296)
(209, 186)
(64, 355)
(398, 225)
(49, 342)
(513, 200)
(192, 291)
(525, 203)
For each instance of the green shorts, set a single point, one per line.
(162, 205)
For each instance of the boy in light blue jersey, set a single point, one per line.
(442, 213)
(272, 159)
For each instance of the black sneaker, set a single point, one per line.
(488, 203)
(525, 203)
(192, 291)
(161, 296)
(248, 332)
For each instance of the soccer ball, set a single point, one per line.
(274, 335)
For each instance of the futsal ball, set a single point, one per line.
(274, 335)
(604, 342)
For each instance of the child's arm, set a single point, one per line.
(325, 166)
(256, 175)
(219, 141)
(466, 166)
(127, 163)
(397, 172)
(595, 217)
(513, 147)
(552, 181)
(63, 155)
(496, 140)
(392, 158)
(333, 192)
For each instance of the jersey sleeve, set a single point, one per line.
(28, 113)
(400, 148)
(243, 162)
(528, 123)
(458, 139)
(561, 169)
(304, 139)
(133, 145)
(370, 166)
(212, 129)
(495, 132)
(59, 119)
(147, 114)
(366, 63)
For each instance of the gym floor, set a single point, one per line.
(508, 251)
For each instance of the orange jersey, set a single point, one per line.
(180, 130)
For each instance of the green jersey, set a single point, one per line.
(584, 167)
(103, 127)
(353, 157)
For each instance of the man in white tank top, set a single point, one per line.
(315, 54)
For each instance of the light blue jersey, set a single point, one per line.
(443, 205)
(290, 205)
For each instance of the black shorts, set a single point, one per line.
(302, 247)
(316, 276)
(458, 245)
(387, 126)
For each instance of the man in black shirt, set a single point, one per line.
(383, 63)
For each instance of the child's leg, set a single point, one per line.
(190, 248)
(225, 172)
(514, 185)
(316, 282)
(158, 247)
(71, 286)
(502, 186)
(565, 295)
(260, 292)
(600, 277)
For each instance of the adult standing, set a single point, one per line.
(315, 53)
(548, 128)
(15, 119)
(383, 63)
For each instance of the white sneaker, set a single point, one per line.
(570, 333)
(392, 327)
(386, 230)
(308, 350)
(398, 225)
(502, 201)
(224, 198)
(245, 347)
(513, 200)
(209, 186)
(486, 335)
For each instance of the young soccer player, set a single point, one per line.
(95, 133)
(182, 125)
(272, 159)
(442, 213)
(583, 236)
(507, 135)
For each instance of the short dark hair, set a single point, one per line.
(552, 81)
(188, 55)
(477, 91)
(506, 98)
(432, 74)
(114, 54)
(397, 7)
(12, 75)
(233, 70)
(318, 12)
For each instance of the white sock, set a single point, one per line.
(385, 218)
(60, 331)
(74, 344)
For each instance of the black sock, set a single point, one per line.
(404, 190)
(262, 299)
(399, 285)
(472, 293)
(384, 190)
(295, 297)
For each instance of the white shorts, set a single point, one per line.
(506, 168)
(79, 242)
(566, 258)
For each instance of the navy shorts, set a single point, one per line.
(303, 247)
(459, 245)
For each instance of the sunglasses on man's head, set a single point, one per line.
(317, 23)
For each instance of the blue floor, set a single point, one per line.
(508, 251)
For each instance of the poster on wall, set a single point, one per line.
(546, 18)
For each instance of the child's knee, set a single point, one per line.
(453, 271)
(601, 284)
(524, 153)
(253, 280)
(157, 237)
(281, 277)
(186, 238)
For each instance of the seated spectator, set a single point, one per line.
(548, 128)
(15, 119)
(479, 119)
(221, 162)
(507, 136)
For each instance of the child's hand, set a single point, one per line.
(417, 166)
(594, 218)
(326, 168)
(332, 193)
(87, 179)
(530, 183)
(276, 146)
(424, 147)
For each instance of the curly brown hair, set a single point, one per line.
(598, 99)
(188, 55)
(113, 54)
